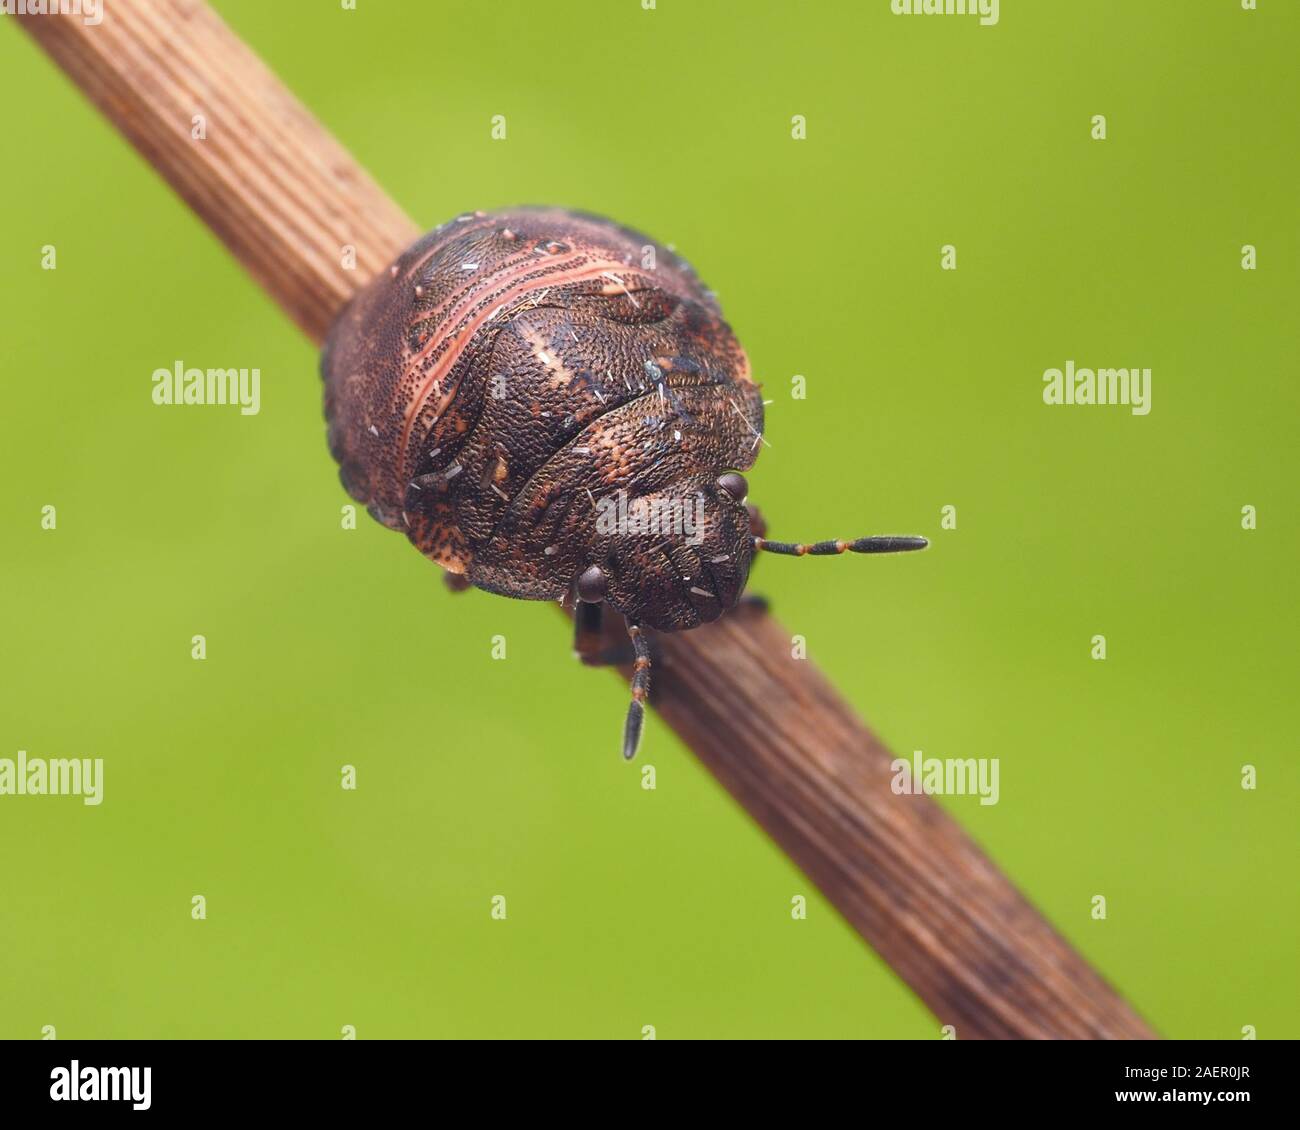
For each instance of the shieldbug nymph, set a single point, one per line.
(551, 407)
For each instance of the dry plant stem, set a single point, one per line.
(279, 191)
(287, 200)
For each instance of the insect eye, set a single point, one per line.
(734, 485)
(592, 585)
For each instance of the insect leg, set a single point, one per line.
(589, 641)
(456, 582)
(592, 637)
(640, 691)
(589, 634)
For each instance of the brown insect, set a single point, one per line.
(551, 407)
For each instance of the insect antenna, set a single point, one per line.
(886, 543)
(640, 691)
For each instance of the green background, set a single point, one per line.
(479, 777)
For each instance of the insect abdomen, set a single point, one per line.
(482, 392)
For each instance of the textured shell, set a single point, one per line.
(512, 368)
